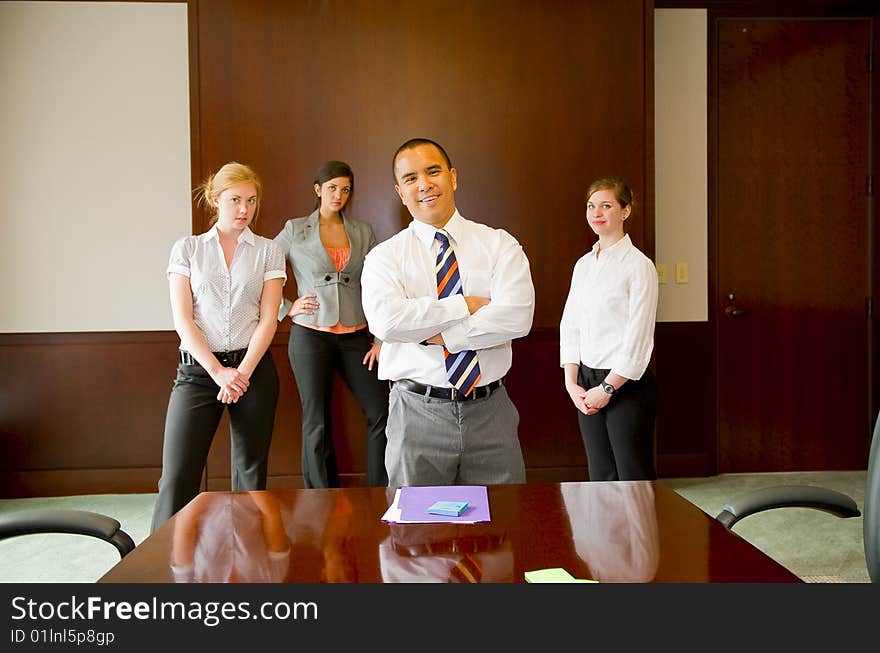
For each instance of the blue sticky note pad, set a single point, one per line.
(448, 508)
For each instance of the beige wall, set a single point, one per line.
(681, 183)
(94, 174)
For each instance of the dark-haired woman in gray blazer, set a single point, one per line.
(326, 252)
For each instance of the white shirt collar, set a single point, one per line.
(616, 250)
(246, 236)
(425, 232)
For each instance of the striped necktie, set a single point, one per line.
(463, 368)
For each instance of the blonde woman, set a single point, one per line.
(225, 292)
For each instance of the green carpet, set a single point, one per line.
(815, 546)
(71, 558)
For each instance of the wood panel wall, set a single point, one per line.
(83, 412)
(531, 100)
(529, 110)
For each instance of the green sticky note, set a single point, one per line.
(553, 575)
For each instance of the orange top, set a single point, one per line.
(339, 256)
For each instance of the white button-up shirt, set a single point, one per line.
(608, 320)
(226, 301)
(400, 300)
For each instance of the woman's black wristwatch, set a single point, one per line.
(607, 387)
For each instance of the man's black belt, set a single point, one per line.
(226, 358)
(449, 394)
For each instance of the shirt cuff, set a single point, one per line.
(569, 355)
(179, 269)
(628, 368)
(275, 274)
(455, 336)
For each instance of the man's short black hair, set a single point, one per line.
(415, 142)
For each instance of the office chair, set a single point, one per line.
(76, 522)
(825, 499)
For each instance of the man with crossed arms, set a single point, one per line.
(446, 296)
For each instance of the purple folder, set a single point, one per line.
(415, 501)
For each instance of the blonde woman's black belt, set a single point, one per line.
(226, 358)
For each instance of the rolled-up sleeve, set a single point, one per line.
(634, 354)
(274, 266)
(181, 252)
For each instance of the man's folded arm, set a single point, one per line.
(508, 314)
(394, 317)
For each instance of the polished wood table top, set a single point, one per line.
(626, 531)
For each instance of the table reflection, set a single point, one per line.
(337, 541)
(624, 531)
(445, 553)
(235, 537)
(614, 527)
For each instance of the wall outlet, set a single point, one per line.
(662, 273)
(681, 272)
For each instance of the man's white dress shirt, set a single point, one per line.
(400, 300)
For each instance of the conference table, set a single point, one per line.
(611, 532)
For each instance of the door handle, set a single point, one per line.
(733, 311)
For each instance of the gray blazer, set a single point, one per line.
(339, 293)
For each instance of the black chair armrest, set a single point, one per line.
(76, 522)
(787, 496)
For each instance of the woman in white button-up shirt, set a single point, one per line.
(606, 337)
(225, 292)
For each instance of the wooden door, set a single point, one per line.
(792, 214)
